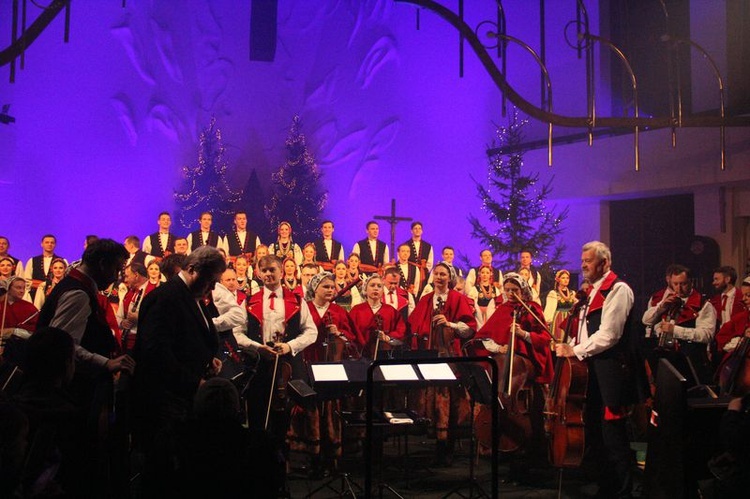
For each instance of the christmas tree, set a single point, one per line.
(207, 185)
(297, 197)
(515, 204)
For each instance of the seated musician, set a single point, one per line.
(278, 325)
(738, 327)
(317, 430)
(396, 296)
(441, 321)
(534, 339)
(377, 326)
(682, 320)
(532, 342)
(16, 313)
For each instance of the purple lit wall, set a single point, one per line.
(105, 123)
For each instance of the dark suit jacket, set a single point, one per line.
(174, 346)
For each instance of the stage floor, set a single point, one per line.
(414, 476)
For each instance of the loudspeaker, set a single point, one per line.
(263, 28)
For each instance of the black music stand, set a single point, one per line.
(331, 380)
(477, 382)
(424, 381)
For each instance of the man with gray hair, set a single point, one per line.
(177, 341)
(604, 339)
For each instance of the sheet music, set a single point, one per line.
(329, 372)
(434, 372)
(400, 372)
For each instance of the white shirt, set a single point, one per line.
(615, 312)
(71, 315)
(726, 314)
(273, 321)
(231, 314)
(374, 250)
(328, 244)
(163, 240)
(430, 255)
(705, 323)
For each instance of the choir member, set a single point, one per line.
(485, 257)
(241, 240)
(57, 272)
(328, 251)
(373, 252)
(4, 247)
(36, 269)
(284, 246)
(351, 296)
(161, 242)
(560, 301)
(204, 236)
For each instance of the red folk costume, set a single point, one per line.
(21, 314)
(334, 315)
(733, 329)
(498, 327)
(457, 309)
(364, 323)
(448, 407)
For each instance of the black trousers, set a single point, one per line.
(608, 446)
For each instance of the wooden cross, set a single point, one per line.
(393, 220)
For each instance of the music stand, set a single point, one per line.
(332, 379)
(449, 360)
(477, 382)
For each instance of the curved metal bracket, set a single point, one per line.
(550, 117)
(545, 76)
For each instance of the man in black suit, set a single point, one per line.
(176, 342)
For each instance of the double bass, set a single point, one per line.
(565, 404)
(516, 397)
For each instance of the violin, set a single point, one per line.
(335, 345)
(441, 336)
(282, 373)
(375, 333)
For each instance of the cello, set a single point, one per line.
(564, 406)
(515, 399)
(734, 372)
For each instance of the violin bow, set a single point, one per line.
(537, 319)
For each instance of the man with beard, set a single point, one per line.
(683, 321)
(75, 307)
(727, 300)
(604, 339)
